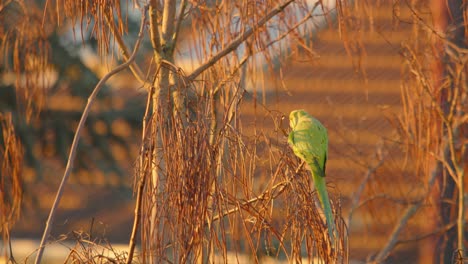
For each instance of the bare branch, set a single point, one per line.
(401, 224)
(141, 182)
(358, 193)
(167, 28)
(295, 26)
(237, 41)
(271, 193)
(154, 30)
(274, 192)
(231, 75)
(393, 238)
(76, 139)
(137, 72)
(446, 165)
(385, 196)
(180, 18)
(440, 230)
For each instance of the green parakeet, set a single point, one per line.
(309, 141)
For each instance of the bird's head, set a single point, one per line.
(295, 116)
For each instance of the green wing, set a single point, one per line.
(303, 146)
(308, 139)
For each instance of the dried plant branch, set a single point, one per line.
(137, 72)
(91, 250)
(388, 197)
(11, 181)
(238, 40)
(455, 136)
(446, 165)
(76, 139)
(402, 222)
(461, 223)
(179, 206)
(229, 77)
(426, 131)
(357, 196)
(167, 27)
(142, 180)
(21, 39)
(180, 18)
(440, 230)
(272, 193)
(91, 15)
(295, 26)
(393, 238)
(154, 29)
(424, 82)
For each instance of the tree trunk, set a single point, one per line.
(161, 39)
(448, 22)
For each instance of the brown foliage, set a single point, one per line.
(208, 186)
(24, 47)
(94, 15)
(11, 184)
(240, 193)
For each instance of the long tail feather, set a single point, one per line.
(320, 186)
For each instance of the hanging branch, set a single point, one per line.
(239, 40)
(141, 182)
(76, 139)
(137, 72)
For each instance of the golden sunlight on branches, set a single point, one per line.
(11, 183)
(156, 131)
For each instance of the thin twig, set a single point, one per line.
(137, 72)
(239, 40)
(271, 193)
(439, 230)
(461, 209)
(183, 5)
(386, 196)
(402, 222)
(358, 193)
(274, 192)
(76, 139)
(295, 26)
(141, 182)
(230, 76)
(393, 238)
